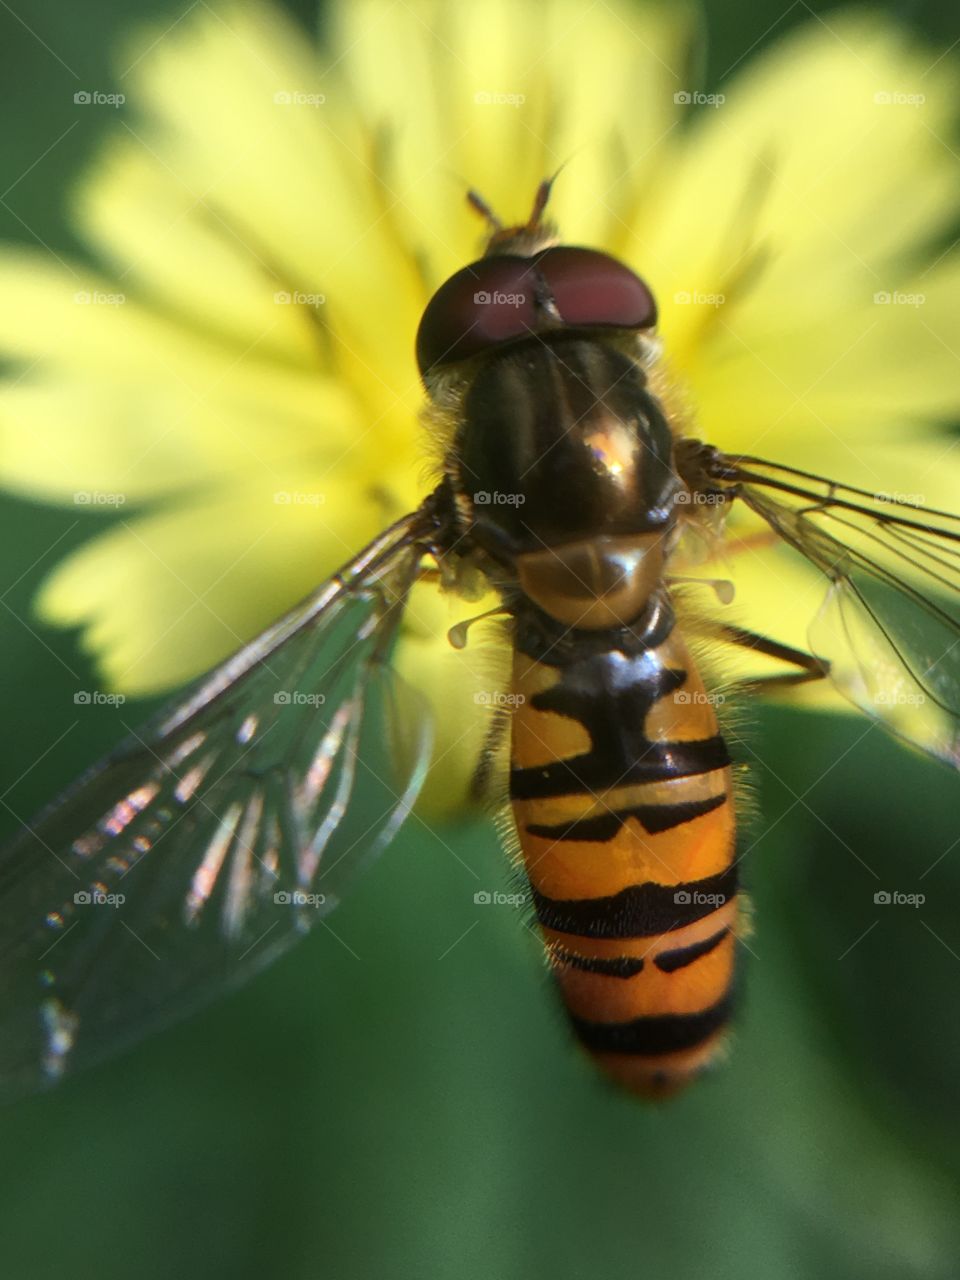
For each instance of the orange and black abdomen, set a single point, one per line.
(621, 790)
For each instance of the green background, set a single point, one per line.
(401, 1099)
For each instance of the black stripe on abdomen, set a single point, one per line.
(609, 683)
(593, 772)
(656, 1034)
(680, 957)
(654, 818)
(640, 911)
(610, 967)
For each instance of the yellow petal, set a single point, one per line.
(167, 243)
(67, 436)
(868, 371)
(164, 597)
(248, 115)
(185, 405)
(457, 89)
(783, 212)
(464, 688)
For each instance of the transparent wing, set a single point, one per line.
(210, 841)
(890, 622)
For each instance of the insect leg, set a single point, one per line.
(809, 666)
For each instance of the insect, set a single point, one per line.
(223, 830)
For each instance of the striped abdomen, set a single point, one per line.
(620, 784)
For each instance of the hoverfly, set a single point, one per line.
(234, 820)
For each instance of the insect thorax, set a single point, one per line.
(562, 466)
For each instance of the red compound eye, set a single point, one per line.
(591, 289)
(504, 298)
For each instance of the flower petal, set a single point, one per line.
(124, 399)
(457, 89)
(245, 114)
(785, 213)
(167, 242)
(164, 597)
(464, 688)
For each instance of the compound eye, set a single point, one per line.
(485, 304)
(593, 290)
(502, 299)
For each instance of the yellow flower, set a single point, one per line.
(239, 376)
